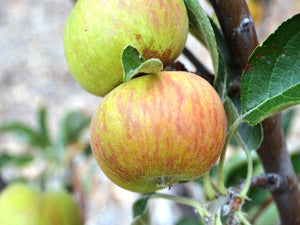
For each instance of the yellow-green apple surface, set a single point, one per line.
(158, 129)
(97, 31)
(23, 205)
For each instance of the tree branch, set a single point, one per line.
(268, 181)
(239, 32)
(276, 159)
(238, 29)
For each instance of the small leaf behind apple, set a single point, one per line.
(225, 76)
(140, 210)
(250, 137)
(201, 28)
(134, 64)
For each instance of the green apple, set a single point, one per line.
(22, 204)
(97, 31)
(158, 129)
(61, 209)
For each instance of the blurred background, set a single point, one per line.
(35, 81)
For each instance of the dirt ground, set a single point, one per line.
(33, 72)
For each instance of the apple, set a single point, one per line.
(97, 31)
(158, 129)
(22, 204)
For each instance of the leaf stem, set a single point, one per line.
(244, 220)
(231, 131)
(185, 201)
(209, 190)
(218, 219)
(247, 183)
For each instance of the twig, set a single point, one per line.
(77, 190)
(200, 68)
(270, 182)
(2, 184)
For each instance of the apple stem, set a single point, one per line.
(185, 201)
(221, 188)
(165, 181)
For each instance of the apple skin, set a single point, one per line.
(157, 130)
(61, 209)
(97, 31)
(22, 204)
(17, 203)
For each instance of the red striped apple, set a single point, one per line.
(97, 31)
(158, 129)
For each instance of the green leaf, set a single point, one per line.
(30, 136)
(269, 216)
(221, 83)
(236, 169)
(72, 126)
(134, 64)
(33, 137)
(43, 125)
(201, 28)
(17, 160)
(271, 81)
(221, 43)
(250, 137)
(225, 77)
(141, 214)
(295, 158)
(259, 198)
(231, 111)
(287, 119)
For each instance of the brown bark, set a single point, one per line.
(276, 159)
(239, 32)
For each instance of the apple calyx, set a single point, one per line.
(164, 181)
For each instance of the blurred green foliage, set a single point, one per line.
(54, 149)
